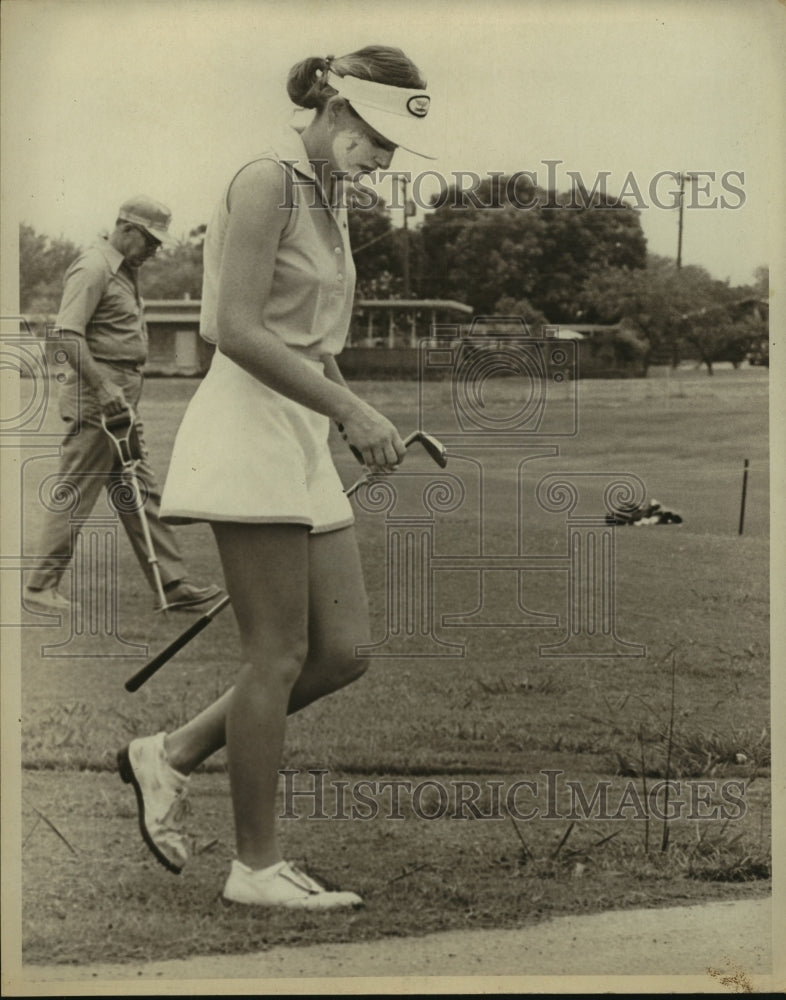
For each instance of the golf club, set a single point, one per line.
(434, 448)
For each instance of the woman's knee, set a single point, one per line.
(279, 659)
(342, 665)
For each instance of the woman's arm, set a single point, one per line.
(256, 221)
(332, 371)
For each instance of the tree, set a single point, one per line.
(761, 286)
(644, 299)
(377, 251)
(42, 264)
(672, 307)
(578, 243)
(718, 336)
(481, 256)
(533, 317)
(176, 272)
(518, 241)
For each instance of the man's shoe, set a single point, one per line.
(282, 885)
(49, 600)
(186, 597)
(161, 798)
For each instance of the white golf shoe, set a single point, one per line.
(282, 885)
(161, 797)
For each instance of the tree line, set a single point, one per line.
(550, 265)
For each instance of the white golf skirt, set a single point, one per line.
(248, 454)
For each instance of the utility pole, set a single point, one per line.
(683, 177)
(675, 346)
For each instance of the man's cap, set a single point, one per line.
(150, 215)
(396, 113)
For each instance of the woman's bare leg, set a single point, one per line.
(266, 573)
(338, 621)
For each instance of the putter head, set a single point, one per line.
(434, 448)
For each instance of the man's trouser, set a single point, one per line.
(89, 462)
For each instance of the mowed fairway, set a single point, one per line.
(695, 596)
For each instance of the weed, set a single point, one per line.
(721, 856)
(695, 753)
(503, 686)
(717, 856)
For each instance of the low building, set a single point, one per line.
(383, 338)
(394, 325)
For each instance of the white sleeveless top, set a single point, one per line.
(310, 302)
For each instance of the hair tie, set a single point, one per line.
(322, 73)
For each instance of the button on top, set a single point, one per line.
(337, 250)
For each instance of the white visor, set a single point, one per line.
(396, 113)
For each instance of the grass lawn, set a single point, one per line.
(695, 596)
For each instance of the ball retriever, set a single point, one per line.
(122, 432)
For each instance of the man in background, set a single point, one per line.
(102, 310)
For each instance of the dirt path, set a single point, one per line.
(733, 938)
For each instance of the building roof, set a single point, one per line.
(449, 304)
(175, 310)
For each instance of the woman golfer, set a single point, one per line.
(251, 457)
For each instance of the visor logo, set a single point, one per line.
(418, 105)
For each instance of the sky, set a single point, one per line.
(103, 99)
